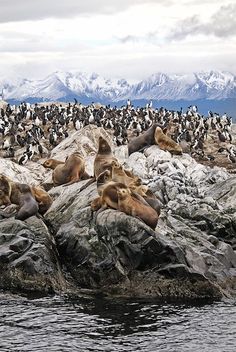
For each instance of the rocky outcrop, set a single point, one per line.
(28, 257)
(191, 253)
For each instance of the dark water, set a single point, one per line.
(60, 324)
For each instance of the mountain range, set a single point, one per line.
(211, 86)
(61, 85)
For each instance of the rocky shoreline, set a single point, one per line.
(190, 255)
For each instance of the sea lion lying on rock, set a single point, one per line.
(144, 140)
(134, 207)
(73, 170)
(19, 194)
(139, 202)
(25, 196)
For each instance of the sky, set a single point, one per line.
(129, 39)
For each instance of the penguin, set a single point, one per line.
(77, 125)
(23, 159)
(221, 136)
(231, 158)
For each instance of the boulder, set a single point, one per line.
(28, 257)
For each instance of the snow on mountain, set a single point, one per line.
(66, 85)
(203, 85)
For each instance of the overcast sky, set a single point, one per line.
(116, 38)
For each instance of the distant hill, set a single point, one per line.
(213, 90)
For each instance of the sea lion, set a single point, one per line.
(10, 193)
(109, 197)
(119, 174)
(166, 143)
(28, 204)
(102, 161)
(102, 180)
(69, 172)
(53, 163)
(154, 203)
(142, 141)
(145, 195)
(132, 206)
(19, 194)
(103, 158)
(96, 204)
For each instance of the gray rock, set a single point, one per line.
(28, 257)
(189, 255)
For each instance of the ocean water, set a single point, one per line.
(101, 324)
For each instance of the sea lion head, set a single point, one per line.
(103, 146)
(104, 177)
(159, 130)
(123, 192)
(116, 165)
(47, 163)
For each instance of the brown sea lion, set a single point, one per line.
(119, 174)
(166, 143)
(102, 161)
(129, 173)
(142, 141)
(69, 172)
(154, 203)
(10, 193)
(109, 197)
(134, 207)
(96, 204)
(53, 163)
(103, 158)
(19, 194)
(144, 194)
(102, 180)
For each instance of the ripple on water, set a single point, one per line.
(57, 324)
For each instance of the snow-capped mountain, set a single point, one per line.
(60, 85)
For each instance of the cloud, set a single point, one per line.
(221, 24)
(148, 37)
(21, 10)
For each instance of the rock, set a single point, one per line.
(84, 140)
(190, 255)
(224, 193)
(34, 173)
(28, 257)
(137, 163)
